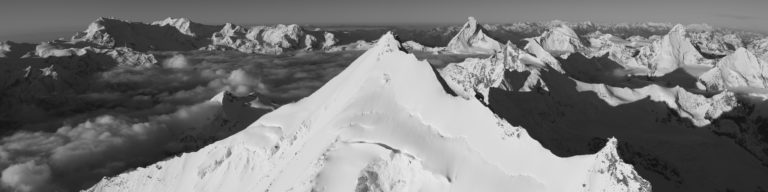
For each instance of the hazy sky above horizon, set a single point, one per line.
(30, 20)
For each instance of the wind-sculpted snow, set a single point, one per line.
(384, 123)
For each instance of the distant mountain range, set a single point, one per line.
(538, 106)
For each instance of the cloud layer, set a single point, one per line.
(125, 117)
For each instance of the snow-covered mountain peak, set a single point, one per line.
(471, 21)
(388, 43)
(173, 21)
(561, 40)
(182, 24)
(674, 51)
(615, 171)
(678, 29)
(472, 39)
(384, 121)
(739, 70)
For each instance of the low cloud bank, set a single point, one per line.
(123, 118)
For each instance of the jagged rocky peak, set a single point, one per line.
(388, 42)
(273, 39)
(760, 48)
(474, 77)
(737, 71)
(282, 36)
(95, 33)
(182, 24)
(714, 43)
(614, 172)
(472, 39)
(561, 40)
(111, 33)
(188, 27)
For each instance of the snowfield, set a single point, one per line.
(384, 124)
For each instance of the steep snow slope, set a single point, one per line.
(534, 47)
(675, 51)
(742, 69)
(235, 114)
(560, 40)
(383, 124)
(472, 39)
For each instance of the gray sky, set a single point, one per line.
(34, 20)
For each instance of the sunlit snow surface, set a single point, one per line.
(384, 124)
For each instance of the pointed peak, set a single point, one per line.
(563, 28)
(171, 20)
(612, 142)
(471, 25)
(609, 151)
(471, 20)
(678, 28)
(510, 44)
(219, 98)
(389, 41)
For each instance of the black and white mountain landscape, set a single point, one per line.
(446, 104)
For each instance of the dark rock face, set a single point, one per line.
(669, 151)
